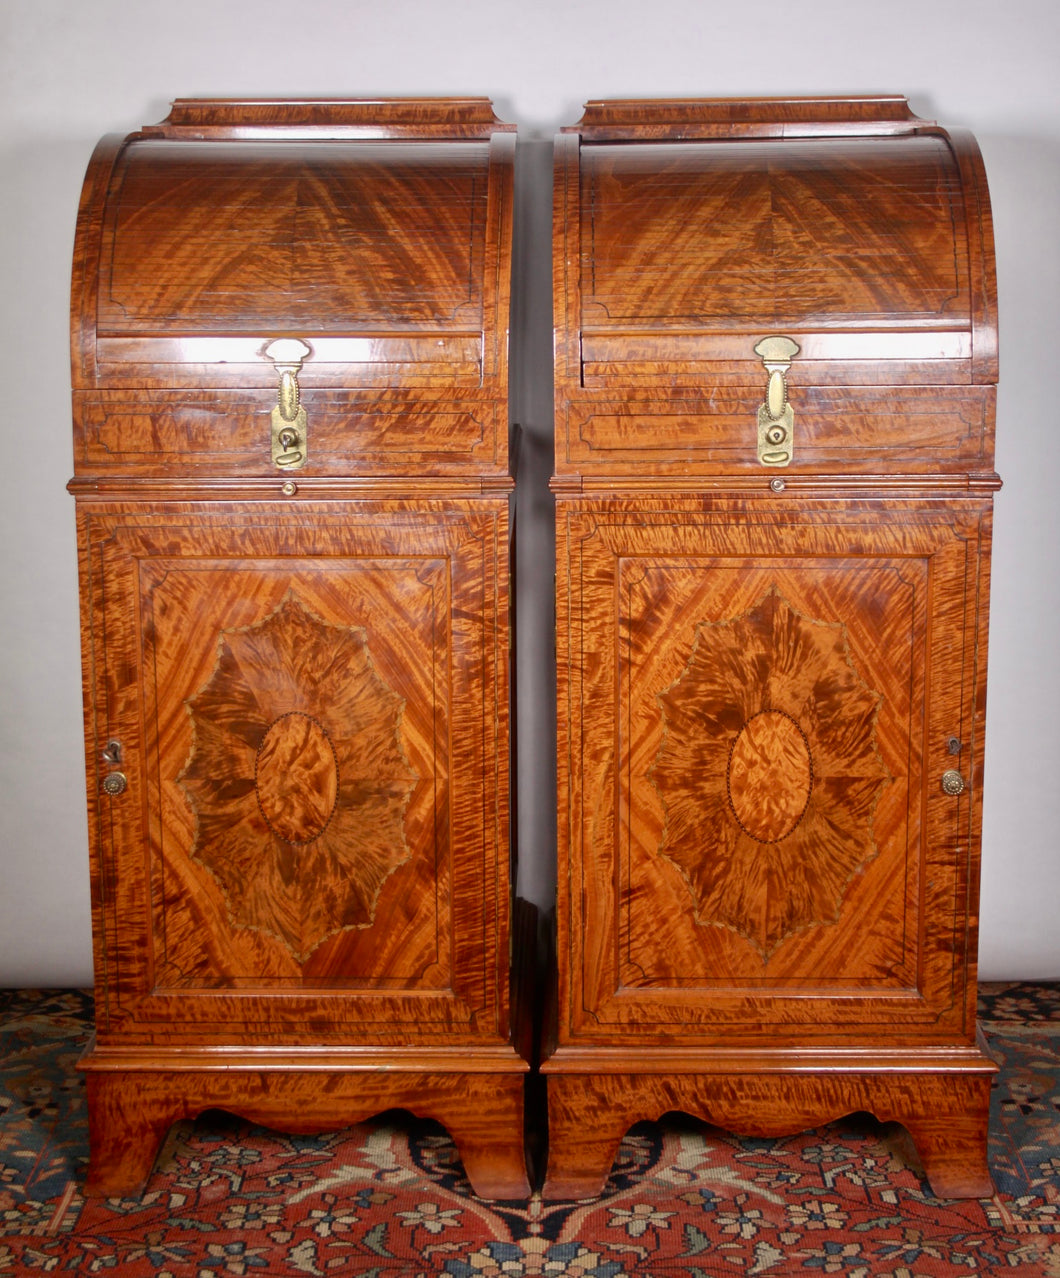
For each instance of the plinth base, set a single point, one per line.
(943, 1103)
(131, 1107)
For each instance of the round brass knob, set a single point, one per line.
(289, 489)
(953, 782)
(115, 783)
(777, 485)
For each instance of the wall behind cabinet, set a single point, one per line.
(70, 72)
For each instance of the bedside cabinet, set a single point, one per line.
(292, 482)
(775, 386)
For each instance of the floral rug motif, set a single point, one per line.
(389, 1199)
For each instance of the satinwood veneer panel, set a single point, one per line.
(672, 433)
(756, 703)
(831, 233)
(204, 239)
(312, 703)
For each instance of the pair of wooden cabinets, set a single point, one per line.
(775, 368)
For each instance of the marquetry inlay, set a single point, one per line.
(769, 795)
(298, 777)
(770, 776)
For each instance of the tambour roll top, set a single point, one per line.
(377, 239)
(693, 231)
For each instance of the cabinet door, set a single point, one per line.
(758, 701)
(311, 706)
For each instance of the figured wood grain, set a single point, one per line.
(767, 906)
(769, 236)
(769, 776)
(281, 236)
(637, 576)
(389, 254)
(419, 586)
(302, 900)
(790, 117)
(371, 435)
(298, 777)
(224, 118)
(130, 1115)
(769, 743)
(945, 1113)
(982, 272)
(864, 431)
(688, 230)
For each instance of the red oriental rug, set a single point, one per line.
(389, 1198)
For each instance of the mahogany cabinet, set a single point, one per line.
(775, 385)
(292, 482)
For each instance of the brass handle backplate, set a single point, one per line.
(776, 420)
(290, 427)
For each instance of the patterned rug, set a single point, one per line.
(389, 1198)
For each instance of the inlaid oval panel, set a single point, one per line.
(332, 778)
(769, 737)
(770, 776)
(297, 778)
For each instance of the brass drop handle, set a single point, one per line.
(776, 420)
(290, 427)
(289, 393)
(953, 782)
